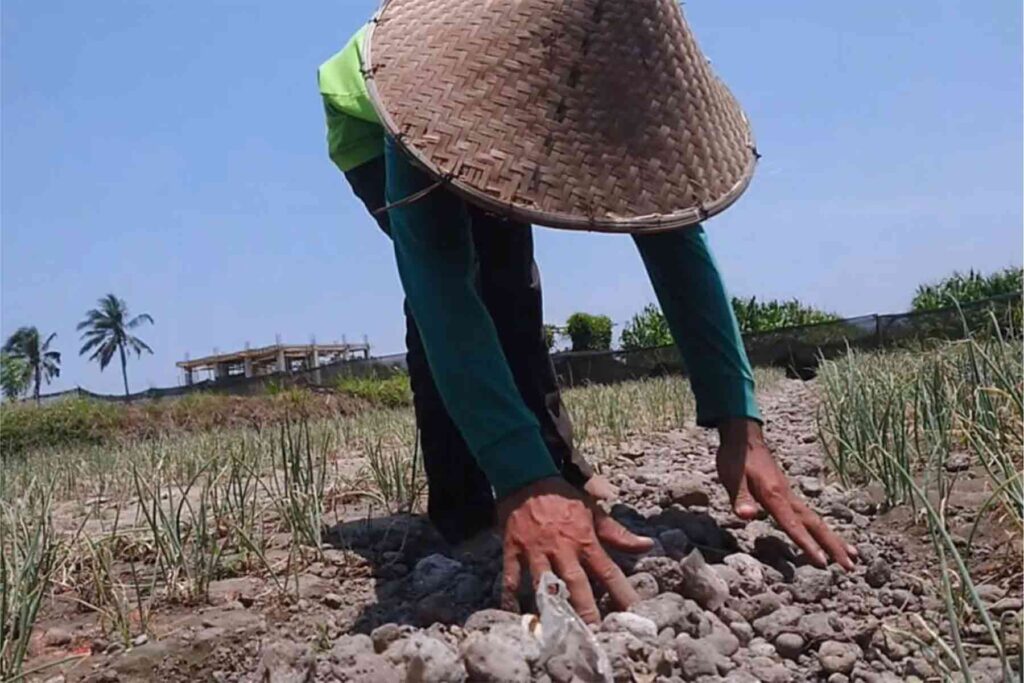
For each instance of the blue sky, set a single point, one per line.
(173, 153)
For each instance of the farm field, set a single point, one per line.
(292, 549)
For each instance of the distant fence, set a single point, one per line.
(797, 349)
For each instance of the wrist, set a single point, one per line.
(742, 433)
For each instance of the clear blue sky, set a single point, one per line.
(173, 153)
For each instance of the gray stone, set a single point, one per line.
(750, 570)
(385, 634)
(333, 600)
(742, 630)
(433, 572)
(1006, 605)
(622, 650)
(696, 657)
(767, 670)
(758, 605)
(486, 618)
(836, 657)
(367, 667)
(988, 670)
(725, 642)
(838, 678)
(627, 622)
(688, 493)
(810, 584)
(284, 661)
(347, 648)
(782, 620)
(494, 659)
(665, 571)
(789, 645)
(645, 585)
(702, 583)
(817, 626)
(990, 593)
(468, 588)
(730, 576)
(878, 573)
(810, 486)
(436, 608)
(56, 637)
(664, 610)
(428, 660)
(675, 542)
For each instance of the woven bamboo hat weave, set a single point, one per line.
(583, 114)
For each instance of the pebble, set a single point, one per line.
(758, 605)
(487, 618)
(347, 648)
(766, 670)
(55, 637)
(493, 659)
(666, 572)
(696, 657)
(384, 635)
(742, 630)
(789, 645)
(645, 585)
(701, 583)
(1006, 605)
(333, 600)
(627, 622)
(750, 571)
(810, 584)
(817, 626)
(367, 667)
(675, 542)
(428, 660)
(688, 493)
(433, 572)
(781, 620)
(836, 657)
(878, 573)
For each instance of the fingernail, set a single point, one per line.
(822, 559)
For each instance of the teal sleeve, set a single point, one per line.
(699, 313)
(434, 253)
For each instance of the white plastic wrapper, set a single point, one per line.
(562, 632)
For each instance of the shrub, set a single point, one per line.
(965, 288)
(68, 422)
(647, 329)
(761, 316)
(389, 392)
(589, 332)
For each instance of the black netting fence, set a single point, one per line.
(797, 349)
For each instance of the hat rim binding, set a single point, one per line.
(643, 224)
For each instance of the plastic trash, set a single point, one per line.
(562, 632)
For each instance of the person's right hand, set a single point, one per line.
(550, 526)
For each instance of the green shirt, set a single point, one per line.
(354, 133)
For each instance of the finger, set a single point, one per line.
(743, 503)
(608, 574)
(512, 571)
(617, 536)
(538, 564)
(580, 594)
(780, 506)
(828, 539)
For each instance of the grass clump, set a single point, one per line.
(384, 392)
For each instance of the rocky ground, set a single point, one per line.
(721, 600)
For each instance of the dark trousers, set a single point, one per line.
(460, 500)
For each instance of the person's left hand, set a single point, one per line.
(751, 475)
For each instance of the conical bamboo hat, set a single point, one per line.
(582, 114)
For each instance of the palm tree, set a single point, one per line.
(106, 332)
(43, 363)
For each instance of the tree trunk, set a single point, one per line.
(38, 373)
(124, 374)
